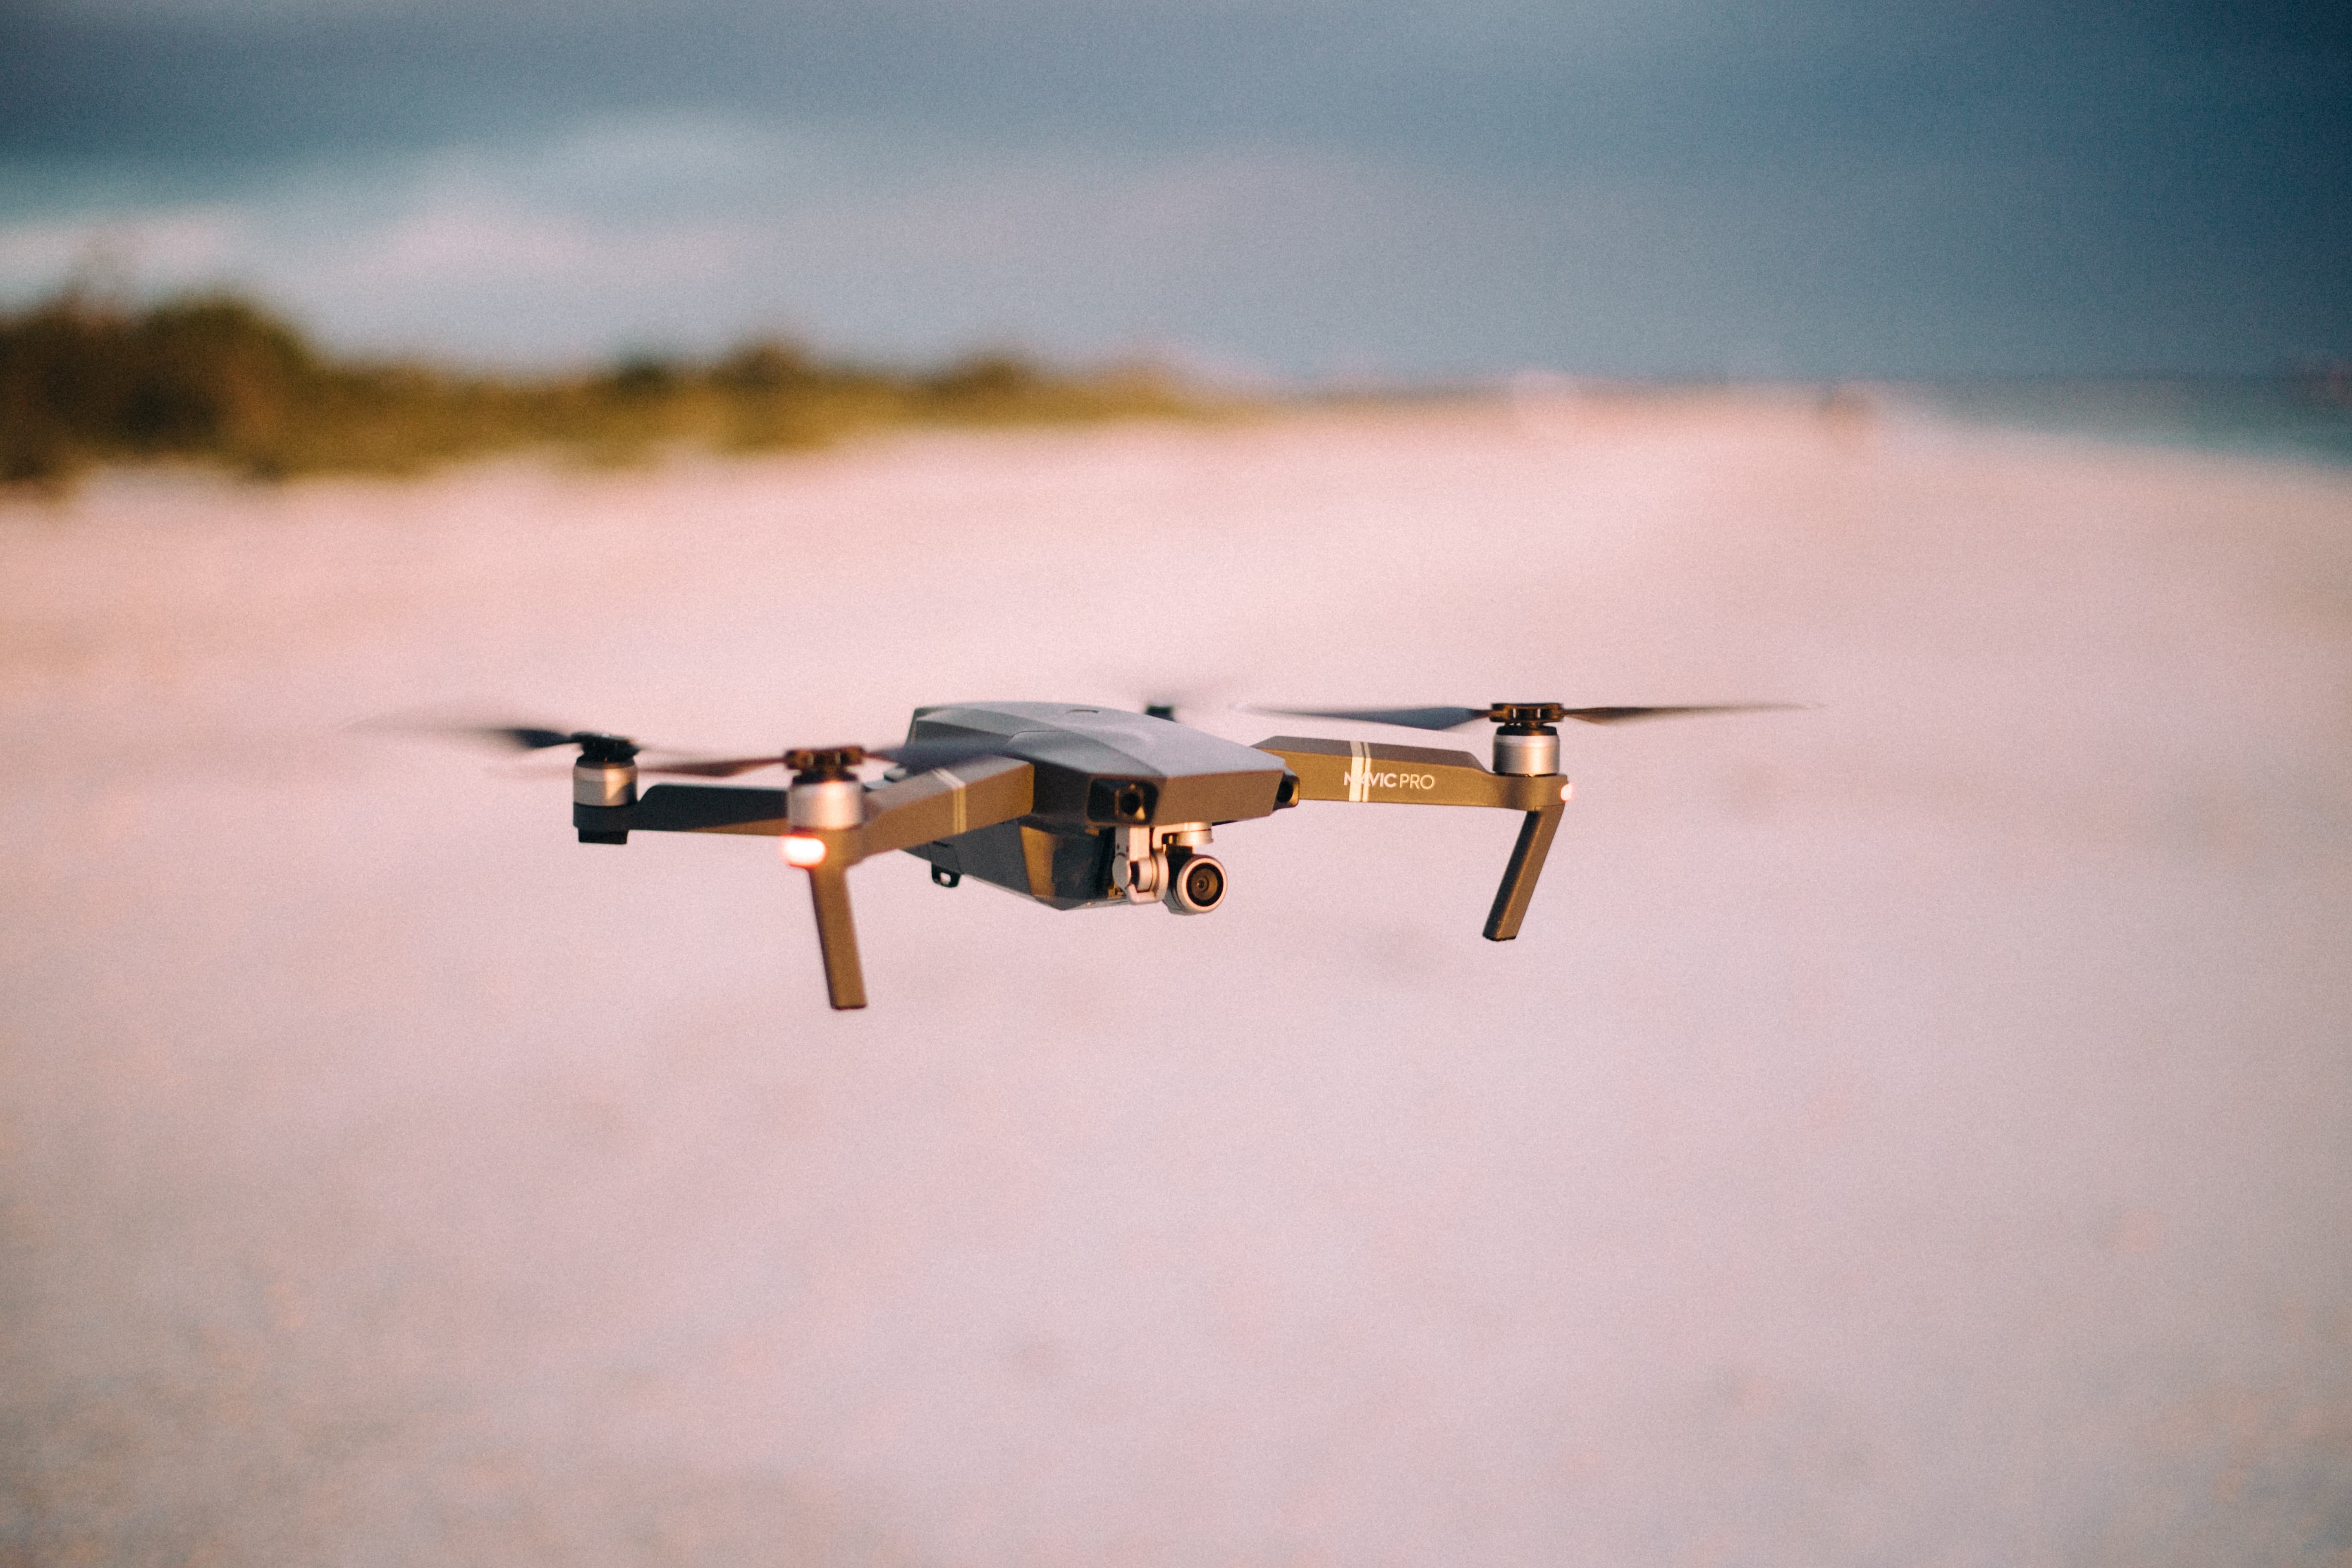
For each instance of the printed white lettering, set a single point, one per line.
(1360, 779)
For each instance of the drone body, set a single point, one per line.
(1074, 806)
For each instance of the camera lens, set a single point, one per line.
(1196, 883)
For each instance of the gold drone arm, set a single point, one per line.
(945, 802)
(939, 803)
(1374, 772)
(977, 792)
(1407, 775)
(699, 809)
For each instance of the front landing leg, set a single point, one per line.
(1519, 888)
(837, 935)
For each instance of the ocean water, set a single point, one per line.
(2306, 418)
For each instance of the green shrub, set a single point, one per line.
(217, 379)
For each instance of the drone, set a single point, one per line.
(1075, 808)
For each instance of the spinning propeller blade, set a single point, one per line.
(714, 767)
(595, 744)
(523, 738)
(916, 754)
(1517, 712)
(599, 746)
(1683, 710)
(1404, 718)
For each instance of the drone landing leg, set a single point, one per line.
(836, 936)
(1519, 888)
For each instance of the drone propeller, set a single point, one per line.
(918, 755)
(1516, 713)
(597, 746)
(524, 738)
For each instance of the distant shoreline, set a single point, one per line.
(218, 381)
(2305, 415)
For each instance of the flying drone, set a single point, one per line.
(1075, 808)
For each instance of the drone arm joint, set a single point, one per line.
(929, 805)
(944, 803)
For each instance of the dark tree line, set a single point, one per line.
(86, 381)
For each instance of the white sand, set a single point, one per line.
(1915, 1131)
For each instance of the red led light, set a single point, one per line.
(803, 851)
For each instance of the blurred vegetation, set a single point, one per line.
(86, 381)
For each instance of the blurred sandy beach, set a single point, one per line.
(1915, 1130)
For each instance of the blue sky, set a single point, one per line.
(1295, 188)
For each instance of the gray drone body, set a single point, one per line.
(1115, 797)
(1073, 806)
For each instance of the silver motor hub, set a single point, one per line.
(1527, 751)
(822, 804)
(604, 784)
